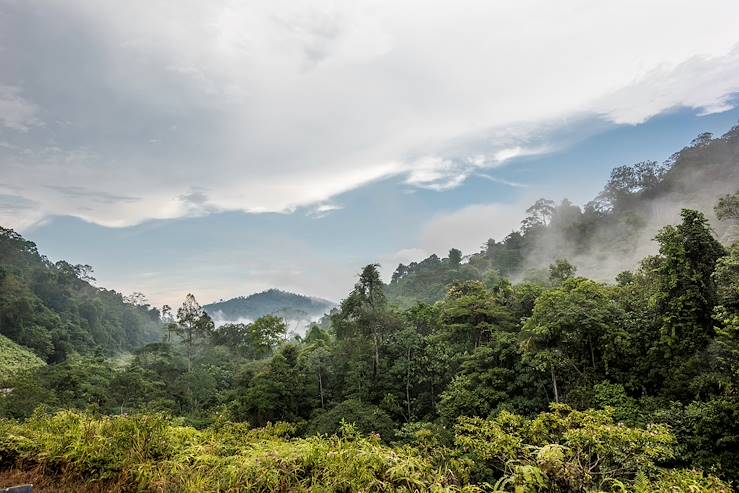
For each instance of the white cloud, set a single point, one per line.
(702, 83)
(323, 210)
(16, 113)
(278, 104)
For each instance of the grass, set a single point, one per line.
(81, 452)
(15, 359)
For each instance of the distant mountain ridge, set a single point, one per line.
(290, 306)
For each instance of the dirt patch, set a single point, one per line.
(45, 484)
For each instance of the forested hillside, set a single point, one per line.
(609, 234)
(289, 306)
(53, 309)
(485, 373)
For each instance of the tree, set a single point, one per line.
(278, 391)
(169, 322)
(539, 215)
(560, 271)
(572, 330)
(136, 298)
(316, 360)
(687, 293)
(265, 333)
(626, 182)
(364, 308)
(455, 257)
(727, 207)
(471, 313)
(726, 314)
(192, 324)
(485, 381)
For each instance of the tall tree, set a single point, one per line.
(539, 215)
(574, 330)
(192, 324)
(687, 293)
(364, 309)
(471, 313)
(455, 257)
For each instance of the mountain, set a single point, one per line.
(291, 306)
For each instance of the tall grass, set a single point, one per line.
(153, 452)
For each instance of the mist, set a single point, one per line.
(616, 230)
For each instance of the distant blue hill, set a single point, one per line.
(290, 306)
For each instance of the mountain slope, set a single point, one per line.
(15, 358)
(290, 306)
(610, 234)
(53, 309)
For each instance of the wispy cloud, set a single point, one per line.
(323, 210)
(74, 192)
(17, 113)
(502, 181)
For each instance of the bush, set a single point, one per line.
(366, 418)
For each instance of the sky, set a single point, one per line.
(225, 147)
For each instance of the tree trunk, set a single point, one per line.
(376, 362)
(408, 386)
(554, 384)
(188, 340)
(320, 387)
(592, 352)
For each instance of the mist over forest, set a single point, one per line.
(595, 348)
(369, 246)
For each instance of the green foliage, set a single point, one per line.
(364, 417)
(688, 256)
(574, 334)
(150, 453)
(428, 280)
(471, 314)
(15, 359)
(708, 434)
(560, 271)
(255, 340)
(564, 450)
(726, 314)
(486, 380)
(55, 311)
(727, 206)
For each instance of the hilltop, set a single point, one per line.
(290, 306)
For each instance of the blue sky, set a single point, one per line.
(227, 147)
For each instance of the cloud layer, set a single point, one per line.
(119, 112)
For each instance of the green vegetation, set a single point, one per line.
(15, 359)
(53, 309)
(451, 378)
(562, 450)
